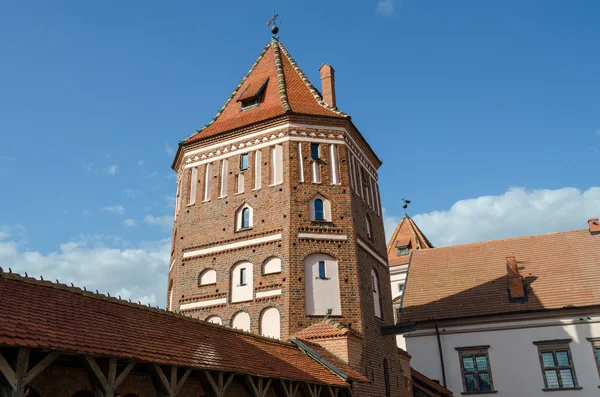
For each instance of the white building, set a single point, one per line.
(513, 317)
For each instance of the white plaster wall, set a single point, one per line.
(241, 293)
(322, 294)
(397, 279)
(241, 320)
(513, 357)
(272, 265)
(270, 323)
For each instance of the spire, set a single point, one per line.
(274, 86)
(406, 237)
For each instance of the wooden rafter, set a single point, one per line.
(105, 385)
(257, 386)
(215, 387)
(169, 387)
(21, 375)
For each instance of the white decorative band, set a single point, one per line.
(211, 302)
(172, 264)
(370, 251)
(239, 244)
(265, 294)
(320, 236)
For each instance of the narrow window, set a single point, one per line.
(277, 165)
(240, 183)
(322, 270)
(386, 378)
(193, 184)
(207, 182)
(596, 349)
(314, 151)
(243, 276)
(557, 364)
(376, 297)
(334, 171)
(319, 210)
(403, 250)
(244, 162)
(368, 227)
(351, 169)
(300, 164)
(475, 368)
(257, 169)
(245, 218)
(400, 288)
(316, 172)
(224, 168)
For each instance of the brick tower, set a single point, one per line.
(278, 224)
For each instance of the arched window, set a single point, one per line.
(242, 282)
(244, 217)
(386, 378)
(241, 320)
(375, 288)
(207, 277)
(320, 208)
(214, 320)
(322, 294)
(272, 265)
(170, 296)
(270, 323)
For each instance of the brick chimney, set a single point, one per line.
(594, 226)
(515, 282)
(328, 84)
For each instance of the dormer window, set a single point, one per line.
(403, 250)
(252, 95)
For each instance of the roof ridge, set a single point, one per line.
(111, 299)
(280, 77)
(502, 239)
(316, 94)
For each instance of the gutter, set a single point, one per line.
(437, 333)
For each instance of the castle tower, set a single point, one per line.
(278, 221)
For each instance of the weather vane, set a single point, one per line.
(273, 21)
(405, 205)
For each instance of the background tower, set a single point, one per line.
(278, 222)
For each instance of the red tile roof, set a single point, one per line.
(326, 329)
(288, 91)
(407, 233)
(333, 359)
(428, 386)
(559, 270)
(47, 315)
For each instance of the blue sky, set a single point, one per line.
(485, 113)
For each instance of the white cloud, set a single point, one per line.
(138, 273)
(117, 209)
(85, 212)
(518, 212)
(166, 220)
(112, 170)
(169, 150)
(141, 163)
(386, 7)
(129, 222)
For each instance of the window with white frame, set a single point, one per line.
(207, 277)
(242, 282)
(277, 164)
(322, 289)
(320, 209)
(475, 369)
(596, 350)
(314, 151)
(376, 296)
(244, 162)
(244, 218)
(557, 364)
(224, 172)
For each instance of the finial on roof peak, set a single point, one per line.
(405, 206)
(274, 28)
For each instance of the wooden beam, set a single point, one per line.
(40, 367)
(8, 372)
(97, 372)
(333, 391)
(112, 371)
(21, 368)
(162, 378)
(182, 381)
(124, 374)
(219, 387)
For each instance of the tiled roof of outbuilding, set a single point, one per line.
(559, 270)
(325, 329)
(46, 315)
(287, 91)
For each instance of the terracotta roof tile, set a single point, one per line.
(428, 386)
(558, 269)
(43, 314)
(333, 359)
(326, 329)
(288, 90)
(407, 233)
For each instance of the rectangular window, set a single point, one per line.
(475, 369)
(596, 349)
(322, 269)
(207, 182)
(400, 287)
(403, 251)
(277, 165)
(557, 364)
(244, 162)
(224, 170)
(257, 169)
(314, 151)
(243, 276)
(193, 184)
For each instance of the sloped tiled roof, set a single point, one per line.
(559, 270)
(325, 329)
(288, 91)
(333, 359)
(42, 314)
(427, 386)
(407, 233)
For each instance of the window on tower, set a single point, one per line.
(244, 162)
(243, 276)
(244, 218)
(251, 96)
(314, 151)
(322, 270)
(320, 209)
(242, 289)
(322, 287)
